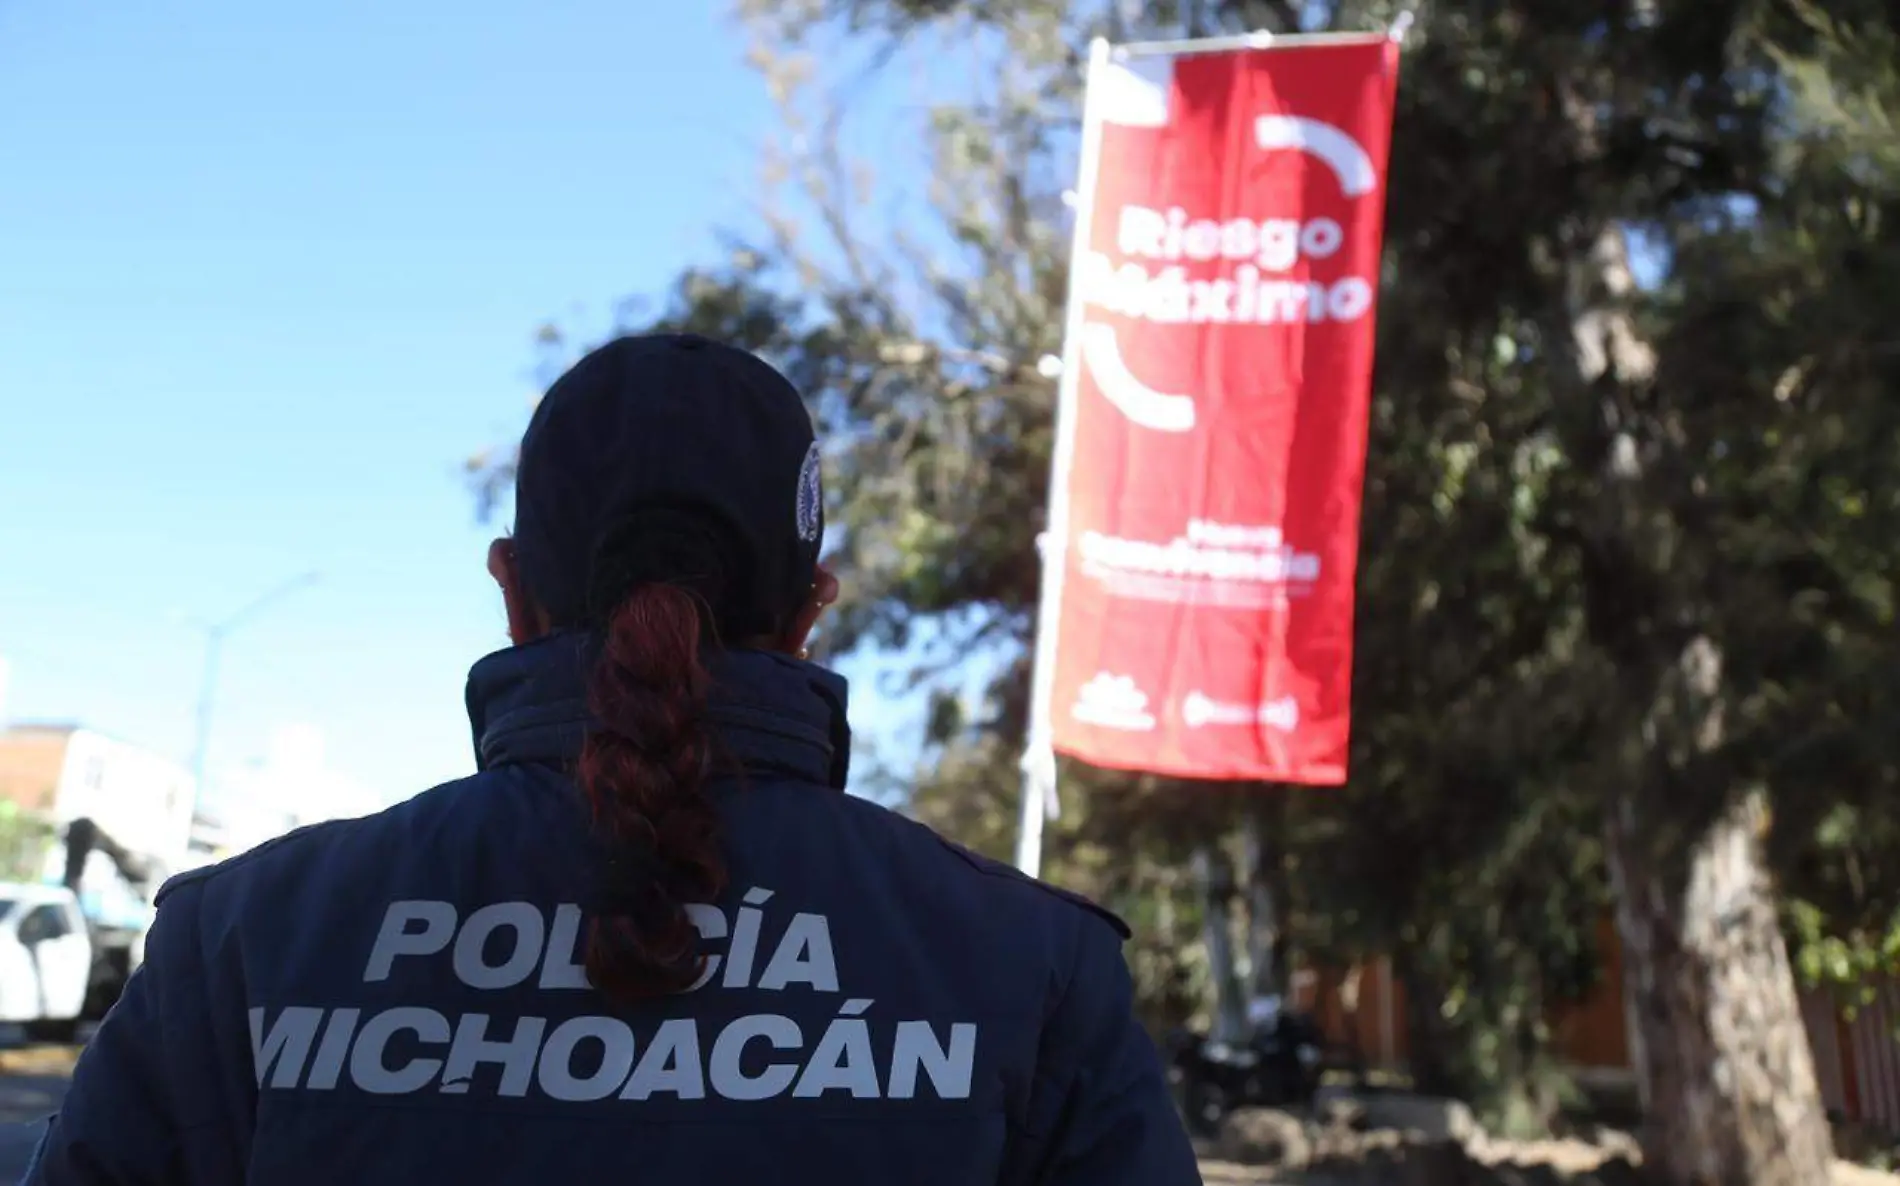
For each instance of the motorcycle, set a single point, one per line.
(1277, 1065)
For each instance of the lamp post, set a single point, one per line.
(214, 643)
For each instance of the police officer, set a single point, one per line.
(651, 937)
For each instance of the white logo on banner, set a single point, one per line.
(409, 1049)
(1136, 95)
(1113, 702)
(1198, 711)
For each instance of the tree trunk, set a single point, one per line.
(1427, 1047)
(1348, 996)
(1730, 1095)
(1720, 1050)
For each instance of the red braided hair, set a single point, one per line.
(644, 768)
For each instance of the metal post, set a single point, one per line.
(207, 691)
(207, 686)
(1263, 924)
(1039, 760)
(1216, 880)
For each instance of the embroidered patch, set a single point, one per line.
(811, 498)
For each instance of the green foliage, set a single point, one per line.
(1849, 963)
(25, 839)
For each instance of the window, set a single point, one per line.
(43, 923)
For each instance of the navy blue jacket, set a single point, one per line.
(398, 999)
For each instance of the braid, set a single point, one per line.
(643, 769)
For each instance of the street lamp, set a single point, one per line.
(214, 643)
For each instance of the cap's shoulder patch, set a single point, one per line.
(997, 868)
(811, 496)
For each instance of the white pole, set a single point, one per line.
(214, 642)
(1039, 757)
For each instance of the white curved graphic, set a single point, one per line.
(1134, 399)
(1348, 159)
(1135, 94)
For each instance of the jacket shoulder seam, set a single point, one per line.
(205, 874)
(994, 868)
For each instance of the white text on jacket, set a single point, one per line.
(846, 1051)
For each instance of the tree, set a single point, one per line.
(1624, 597)
(25, 840)
(1829, 464)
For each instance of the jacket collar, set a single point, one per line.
(774, 714)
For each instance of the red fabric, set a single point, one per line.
(1215, 651)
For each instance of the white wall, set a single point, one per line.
(292, 787)
(141, 800)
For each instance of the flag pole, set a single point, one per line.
(1039, 758)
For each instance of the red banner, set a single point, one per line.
(1219, 427)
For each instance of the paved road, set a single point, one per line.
(24, 1101)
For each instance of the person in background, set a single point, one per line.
(652, 937)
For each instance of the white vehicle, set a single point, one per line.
(46, 965)
(118, 822)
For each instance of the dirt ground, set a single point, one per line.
(39, 1060)
(1261, 1148)
(1268, 1147)
(1227, 1173)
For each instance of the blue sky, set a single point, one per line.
(268, 275)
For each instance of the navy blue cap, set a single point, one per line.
(669, 457)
